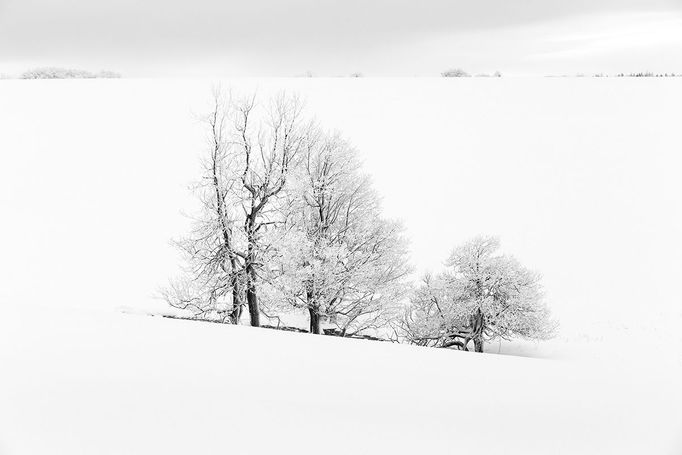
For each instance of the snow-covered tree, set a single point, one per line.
(483, 296)
(251, 152)
(263, 153)
(341, 260)
(212, 285)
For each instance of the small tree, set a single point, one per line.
(483, 296)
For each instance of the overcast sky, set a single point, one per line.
(325, 37)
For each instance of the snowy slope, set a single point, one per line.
(84, 382)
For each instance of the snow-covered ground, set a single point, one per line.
(579, 178)
(88, 381)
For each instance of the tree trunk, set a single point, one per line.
(252, 301)
(478, 344)
(250, 269)
(314, 320)
(236, 313)
(478, 323)
(252, 297)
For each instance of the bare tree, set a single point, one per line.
(251, 149)
(213, 271)
(222, 184)
(263, 154)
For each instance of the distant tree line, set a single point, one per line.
(459, 72)
(648, 74)
(454, 72)
(66, 73)
(640, 74)
(290, 223)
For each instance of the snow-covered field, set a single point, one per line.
(579, 178)
(95, 382)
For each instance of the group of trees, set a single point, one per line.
(289, 223)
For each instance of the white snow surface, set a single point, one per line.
(86, 382)
(578, 177)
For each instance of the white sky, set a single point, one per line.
(380, 37)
